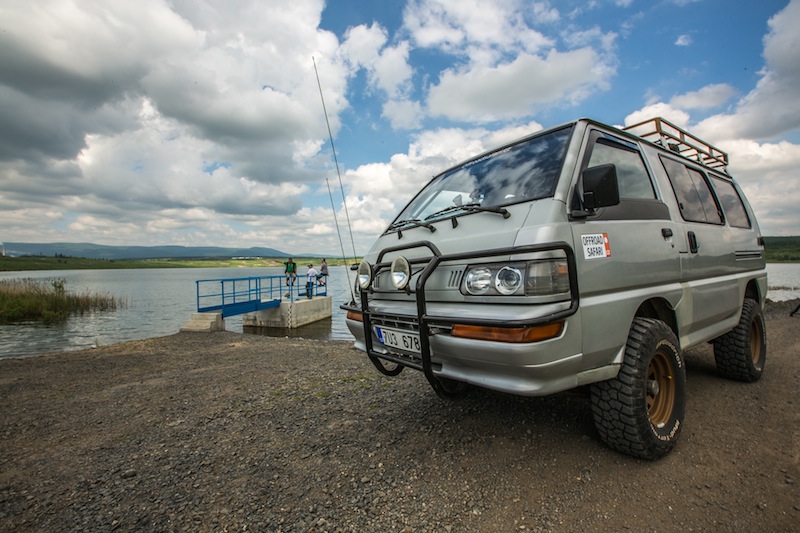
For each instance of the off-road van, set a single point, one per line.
(580, 255)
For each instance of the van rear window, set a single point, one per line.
(731, 203)
(693, 193)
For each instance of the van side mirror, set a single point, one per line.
(600, 187)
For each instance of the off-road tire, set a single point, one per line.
(742, 352)
(640, 412)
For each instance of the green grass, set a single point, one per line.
(8, 264)
(47, 301)
(17, 264)
(777, 249)
(782, 249)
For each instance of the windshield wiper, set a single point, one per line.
(474, 208)
(411, 222)
(449, 209)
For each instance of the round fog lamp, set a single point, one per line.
(478, 280)
(364, 275)
(401, 272)
(508, 280)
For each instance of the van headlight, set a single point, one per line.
(508, 280)
(478, 280)
(545, 277)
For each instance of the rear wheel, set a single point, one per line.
(640, 412)
(741, 353)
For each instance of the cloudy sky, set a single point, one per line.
(199, 122)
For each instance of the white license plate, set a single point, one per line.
(395, 338)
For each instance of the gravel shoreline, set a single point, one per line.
(226, 431)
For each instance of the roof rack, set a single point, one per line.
(681, 142)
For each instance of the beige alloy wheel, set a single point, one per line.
(757, 343)
(640, 411)
(661, 389)
(741, 353)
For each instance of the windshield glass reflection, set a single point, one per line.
(521, 172)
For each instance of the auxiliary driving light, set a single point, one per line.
(364, 275)
(401, 272)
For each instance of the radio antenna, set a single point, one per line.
(341, 187)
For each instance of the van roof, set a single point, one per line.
(656, 131)
(663, 133)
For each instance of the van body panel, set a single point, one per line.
(640, 257)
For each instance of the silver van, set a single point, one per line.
(580, 255)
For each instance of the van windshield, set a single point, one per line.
(524, 171)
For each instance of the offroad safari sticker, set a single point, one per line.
(596, 246)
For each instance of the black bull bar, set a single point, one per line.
(443, 387)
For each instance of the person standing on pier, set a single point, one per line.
(323, 272)
(311, 279)
(290, 271)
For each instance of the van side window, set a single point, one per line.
(634, 181)
(731, 203)
(692, 192)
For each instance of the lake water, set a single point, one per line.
(160, 301)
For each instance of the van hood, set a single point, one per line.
(476, 231)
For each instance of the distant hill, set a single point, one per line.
(777, 249)
(99, 251)
(782, 248)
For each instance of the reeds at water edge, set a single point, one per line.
(48, 301)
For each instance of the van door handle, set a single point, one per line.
(693, 245)
(666, 233)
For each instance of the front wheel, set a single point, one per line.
(452, 388)
(640, 412)
(741, 353)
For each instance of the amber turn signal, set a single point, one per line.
(353, 315)
(519, 335)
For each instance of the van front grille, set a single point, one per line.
(409, 323)
(454, 279)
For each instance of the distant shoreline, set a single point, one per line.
(34, 263)
(38, 263)
(83, 256)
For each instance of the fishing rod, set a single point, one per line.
(330, 194)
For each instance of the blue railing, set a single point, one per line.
(234, 296)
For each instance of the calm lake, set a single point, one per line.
(160, 301)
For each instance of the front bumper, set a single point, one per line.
(528, 368)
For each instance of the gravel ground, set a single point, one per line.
(232, 432)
